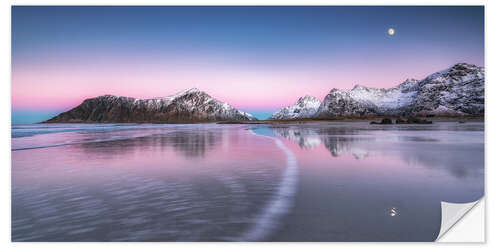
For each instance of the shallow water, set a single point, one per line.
(325, 181)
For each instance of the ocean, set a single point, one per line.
(312, 181)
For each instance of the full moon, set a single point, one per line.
(391, 32)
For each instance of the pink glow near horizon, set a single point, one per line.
(56, 86)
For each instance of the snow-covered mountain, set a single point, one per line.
(190, 105)
(305, 107)
(363, 101)
(458, 90)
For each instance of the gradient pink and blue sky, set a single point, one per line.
(257, 59)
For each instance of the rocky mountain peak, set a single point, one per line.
(457, 73)
(333, 90)
(191, 105)
(409, 84)
(409, 81)
(465, 66)
(307, 98)
(190, 91)
(359, 87)
(456, 91)
(305, 107)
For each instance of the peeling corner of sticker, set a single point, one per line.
(451, 213)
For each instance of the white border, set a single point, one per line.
(492, 140)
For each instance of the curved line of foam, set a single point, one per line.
(267, 220)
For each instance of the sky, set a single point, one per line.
(258, 59)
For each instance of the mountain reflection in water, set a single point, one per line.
(325, 181)
(432, 149)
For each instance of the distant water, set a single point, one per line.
(324, 181)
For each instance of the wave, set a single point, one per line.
(279, 204)
(112, 138)
(18, 131)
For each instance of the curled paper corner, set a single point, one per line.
(451, 213)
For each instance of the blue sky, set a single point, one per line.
(256, 58)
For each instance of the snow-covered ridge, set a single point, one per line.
(458, 90)
(392, 98)
(305, 107)
(191, 105)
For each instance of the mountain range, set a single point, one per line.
(456, 91)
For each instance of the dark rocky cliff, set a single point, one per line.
(188, 106)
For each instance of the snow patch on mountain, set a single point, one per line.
(305, 107)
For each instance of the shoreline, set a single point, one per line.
(300, 120)
(355, 119)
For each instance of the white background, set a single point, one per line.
(492, 26)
